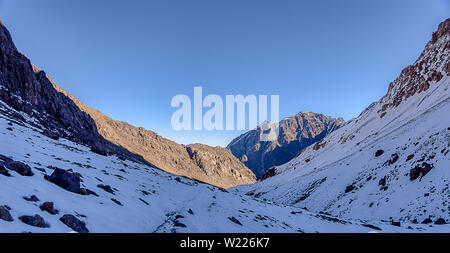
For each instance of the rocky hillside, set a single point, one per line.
(31, 91)
(296, 133)
(389, 163)
(218, 167)
(58, 186)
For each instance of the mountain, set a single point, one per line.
(61, 171)
(58, 174)
(168, 155)
(295, 134)
(29, 90)
(59, 186)
(391, 162)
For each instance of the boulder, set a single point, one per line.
(74, 223)
(116, 201)
(35, 221)
(5, 215)
(422, 169)
(395, 223)
(49, 207)
(425, 168)
(394, 158)
(440, 221)
(414, 173)
(410, 157)
(88, 192)
(379, 153)
(349, 188)
(234, 220)
(66, 180)
(3, 169)
(20, 168)
(427, 221)
(382, 181)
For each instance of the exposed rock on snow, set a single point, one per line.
(35, 221)
(49, 207)
(20, 168)
(74, 223)
(106, 188)
(5, 215)
(410, 123)
(66, 180)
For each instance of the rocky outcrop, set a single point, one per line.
(74, 223)
(19, 167)
(49, 207)
(418, 77)
(35, 221)
(60, 115)
(5, 215)
(65, 179)
(222, 170)
(28, 89)
(296, 133)
(220, 165)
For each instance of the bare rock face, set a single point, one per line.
(30, 90)
(5, 215)
(269, 173)
(296, 133)
(66, 180)
(223, 170)
(220, 165)
(35, 221)
(418, 77)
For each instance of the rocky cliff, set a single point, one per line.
(296, 133)
(31, 91)
(391, 162)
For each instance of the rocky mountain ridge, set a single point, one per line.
(29, 90)
(295, 134)
(389, 163)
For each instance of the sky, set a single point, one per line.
(128, 59)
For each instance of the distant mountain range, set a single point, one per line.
(295, 134)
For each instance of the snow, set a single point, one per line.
(317, 179)
(167, 197)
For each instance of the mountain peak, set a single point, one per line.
(295, 133)
(443, 29)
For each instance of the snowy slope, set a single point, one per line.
(152, 200)
(410, 126)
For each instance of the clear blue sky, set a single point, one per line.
(129, 58)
